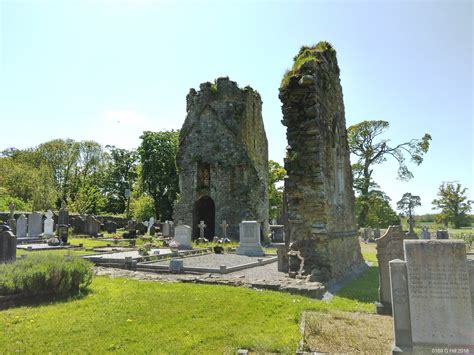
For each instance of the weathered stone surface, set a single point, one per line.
(35, 225)
(439, 293)
(21, 226)
(389, 247)
(319, 195)
(222, 159)
(250, 239)
(182, 234)
(92, 226)
(400, 305)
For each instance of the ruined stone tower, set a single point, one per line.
(222, 159)
(319, 196)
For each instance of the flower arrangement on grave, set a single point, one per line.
(145, 249)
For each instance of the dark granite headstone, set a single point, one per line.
(7, 245)
(141, 228)
(110, 227)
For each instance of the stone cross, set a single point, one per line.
(224, 226)
(201, 227)
(151, 222)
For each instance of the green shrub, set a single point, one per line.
(45, 274)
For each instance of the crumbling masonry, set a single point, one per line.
(319, 195)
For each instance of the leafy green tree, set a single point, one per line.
(120, 174)
(89, 200)
(453, 203)
(159, 174)
(61, 156)
(407, 205)
(142, 208)
(379, 212)
(276, 174)
(364, 144)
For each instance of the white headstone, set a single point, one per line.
(166, 229)
(48, 224)
(21, 226)
(182, 234)
(151, 222)
(35, 225)
(250, 239)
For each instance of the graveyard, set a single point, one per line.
(251, 178)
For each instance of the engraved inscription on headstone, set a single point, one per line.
(439, 292)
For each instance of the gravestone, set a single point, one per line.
(278, 233)
(152, 230)
(7, 245)
(166, 229)
(425, 234)
(80, 225)
(92, 226)
(182, 234)
(432, 298)
(63, 216)
(224, 227)
(21, 226)
(131, 230)
(151, 222)
(442, 234)
(110, 227)
(250, 239)
(176, 265)
(35, 225)
(48, 224)
(142, 228)
(389, 247)
(63, 224)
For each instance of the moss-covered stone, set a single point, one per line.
(223, 157)
(319, 196)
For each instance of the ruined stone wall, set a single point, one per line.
(224, 132)
(320, 200)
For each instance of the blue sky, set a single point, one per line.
(108, 70)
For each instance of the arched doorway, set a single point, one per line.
(204, 210)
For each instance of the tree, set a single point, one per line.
(379, 212)
(407, 204)
(453, 203)
(369, 152)
(120, 175)
(159, 174)
(276, 174)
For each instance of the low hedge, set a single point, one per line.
(45, 274)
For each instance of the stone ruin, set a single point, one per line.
(320, 201)
(222, 159)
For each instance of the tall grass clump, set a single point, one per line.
(45, 275)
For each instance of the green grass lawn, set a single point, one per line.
(129, 316)
(136, 316)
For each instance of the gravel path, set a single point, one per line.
(214, 261)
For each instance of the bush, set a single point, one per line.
(142, 208)
(45, 274)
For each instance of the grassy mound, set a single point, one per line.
(45, 274)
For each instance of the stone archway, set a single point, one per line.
(204, 210)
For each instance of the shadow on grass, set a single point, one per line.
(364, 288)
(14, 301)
